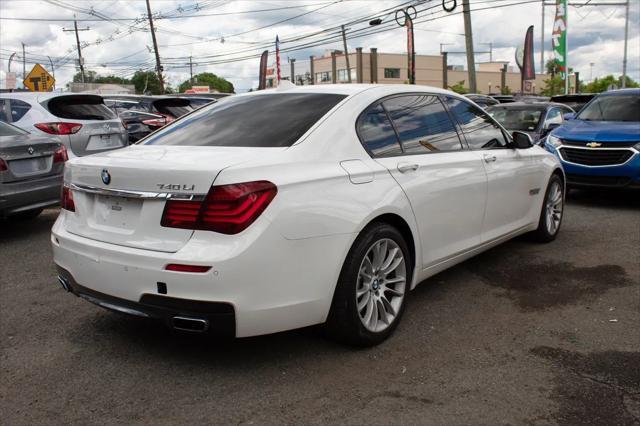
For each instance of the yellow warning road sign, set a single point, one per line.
(39, 80)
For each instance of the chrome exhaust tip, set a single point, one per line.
(195, 325)
(64, 283)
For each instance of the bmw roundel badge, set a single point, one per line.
(106, 177)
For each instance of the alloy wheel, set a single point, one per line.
(554, 205)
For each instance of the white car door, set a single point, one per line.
(513, 174)
(446, 185)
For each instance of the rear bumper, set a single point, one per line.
(27, 195)
(218, 317)
(271, 283)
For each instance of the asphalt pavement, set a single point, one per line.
(522, 334)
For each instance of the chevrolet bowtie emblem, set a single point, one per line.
(594, 144)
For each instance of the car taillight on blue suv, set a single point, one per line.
(600, 147)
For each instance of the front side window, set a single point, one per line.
(18, 109)
(376, 133)
(392, 73)
(480, 131)
(554, 116)
(612, 108)
(423, 124)
(265, 120)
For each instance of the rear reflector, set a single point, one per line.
(60, 156)
(59, 128)
(228, 209)
(155, 122)
(187, 268)
(66, 201)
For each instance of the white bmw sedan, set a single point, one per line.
(292, 207)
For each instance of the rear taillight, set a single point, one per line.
(124, 124)
(156, 122)
(59, 128)
(66, 201)
(228, 209)
(60, 156)
(3, 165)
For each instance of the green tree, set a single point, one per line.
(112, 79)
(89, 77)
(553, 86)
(146, 82)
(599, 85)
(459, 88)
(208, 79)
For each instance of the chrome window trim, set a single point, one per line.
(136, 194)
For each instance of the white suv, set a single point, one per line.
(83, 122)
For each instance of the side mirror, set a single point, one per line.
(521, 140)
(569, 116)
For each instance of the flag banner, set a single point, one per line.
(528, 66)
(279, 74)
(262, 80)
(559, 37)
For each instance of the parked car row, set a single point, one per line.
(39, 131)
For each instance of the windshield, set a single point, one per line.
(9, 130)
(612, 108)
(269, 120)
(516, 119)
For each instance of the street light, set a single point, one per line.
(404, 18)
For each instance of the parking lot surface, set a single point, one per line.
(523, 333)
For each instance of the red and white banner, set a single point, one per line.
(278, 58)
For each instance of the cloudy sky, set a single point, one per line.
(226, 36)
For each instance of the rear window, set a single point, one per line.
(273, 120)
(80, 108)
(9, 130)
(173, 107)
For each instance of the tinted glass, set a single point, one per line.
(270, 120)
(18, 109)
(554, 116)
(9, 130)
(4, 106)
(480, 131)
(423, 124)
(612, 108)
(516, 118)
(377, 134)
(80, 108)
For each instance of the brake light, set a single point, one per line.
(60, 156)
(228, 209)
(59, 128)
(3, 165)
(187, 268)
(155, 122)
(66, 201)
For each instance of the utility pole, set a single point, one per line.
(155, 48)
(24, 64)
(468, 35)
(346, 54)
(542, 66)
(626, 40)
(80, 60)
(190, 70)
(53, 70)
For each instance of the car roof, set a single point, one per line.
(42, 96)
(632, 91)
(529, 105)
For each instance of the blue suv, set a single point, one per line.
(600, 146)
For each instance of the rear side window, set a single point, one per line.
(376, 133)
(18, 109)
(422, 124)
(269, 120)
(83, 107)
(4, 108)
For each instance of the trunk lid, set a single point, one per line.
(28, 157)
(120, 195)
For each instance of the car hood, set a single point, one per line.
(605, 131)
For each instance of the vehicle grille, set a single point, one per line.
(583, 144)
(611, 181)
(596, 157)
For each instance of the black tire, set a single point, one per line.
(543, 234)
(344, 323)
(28, 215)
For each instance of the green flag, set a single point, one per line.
(559, 38)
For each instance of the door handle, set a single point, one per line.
(488, 158)
(405, 167)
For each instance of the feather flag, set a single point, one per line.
(278, 59)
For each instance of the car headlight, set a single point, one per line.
(554, 141)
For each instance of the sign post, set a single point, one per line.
(39, 80)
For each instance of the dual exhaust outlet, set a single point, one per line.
(178, 322)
